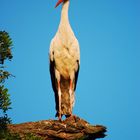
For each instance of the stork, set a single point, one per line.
(64, 58)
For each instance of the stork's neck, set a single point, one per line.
(64, 22)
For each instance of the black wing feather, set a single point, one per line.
(76, 75)
(54, 83)
(52, 73)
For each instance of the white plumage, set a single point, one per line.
(64, 64)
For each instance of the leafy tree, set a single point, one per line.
(5, 53)
(5, 47)
(5, 102)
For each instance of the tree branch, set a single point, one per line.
(73, 128)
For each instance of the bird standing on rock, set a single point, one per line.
(64, 64)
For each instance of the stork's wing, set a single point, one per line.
(76, 74)
(52, 67)
(53, 77)
(54, 83)
(52, 73)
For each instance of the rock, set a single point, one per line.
(73, 128)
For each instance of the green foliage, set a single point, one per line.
(4, 120)
(5, 102)
(3, 75)
(6, 135)
(5, 47)
(5, 53)
(4, 99)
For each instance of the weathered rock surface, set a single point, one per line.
(73, 128)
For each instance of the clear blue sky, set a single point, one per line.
(108, 90)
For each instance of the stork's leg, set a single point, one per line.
(59, 97)
(70, 92)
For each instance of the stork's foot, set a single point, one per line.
(67, 116)
(71, 116)
(60, 117)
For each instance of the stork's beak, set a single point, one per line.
(59, 2)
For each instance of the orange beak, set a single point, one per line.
(59, 2)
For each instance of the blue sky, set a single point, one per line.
(108, 90)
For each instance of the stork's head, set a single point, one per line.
(59, 2)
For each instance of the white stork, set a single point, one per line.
(64, 64)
